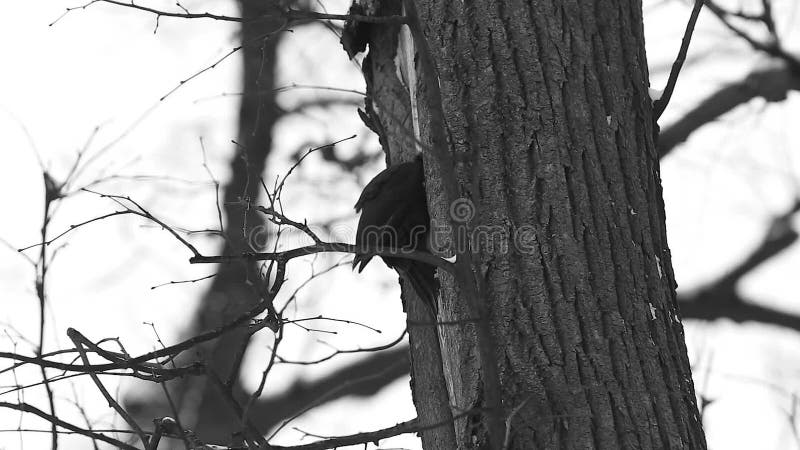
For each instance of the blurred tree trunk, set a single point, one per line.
(235, 287)
(545, 115)
(233, 290)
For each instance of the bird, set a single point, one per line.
(394, 215)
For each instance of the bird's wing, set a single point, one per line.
(384, 205)
(373, 188)
(389, 180)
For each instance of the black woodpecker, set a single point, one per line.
(394, 215)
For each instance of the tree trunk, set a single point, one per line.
(389, 113)
(546, 116)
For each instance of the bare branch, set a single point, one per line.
(343, 352)
(410, 426)
(773, 47)
(338, 247)
(720, 300)
(770, 84)
(661, 104)
(289, 14)
(25, 407)
(79, 340)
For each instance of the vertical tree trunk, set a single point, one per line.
(232, 292)
(389, 71)
(548, 119)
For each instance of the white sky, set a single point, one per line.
(105, 67)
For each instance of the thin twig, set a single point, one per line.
(322, 398)
(195, 280)
(661, 104)
(290, 14)
(507, 438)
(320, 317)
(343, 352)
(24, 407)
(216, 186)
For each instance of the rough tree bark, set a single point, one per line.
(389, 70)
(546, 116)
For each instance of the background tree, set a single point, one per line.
(235, 286)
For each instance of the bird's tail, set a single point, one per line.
(360, 261)
(423, 280)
